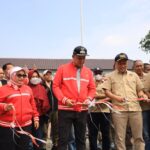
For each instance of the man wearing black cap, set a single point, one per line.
(74, 88)
(124, 87)
(98, 118)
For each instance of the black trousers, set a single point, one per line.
(66, 119)
(9, 141)
(98, 121)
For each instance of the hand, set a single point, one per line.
(145, 98)
(36, 124)
(121, 99)
(87, 102)
(148, 100)
(9, 107)
(69, 102)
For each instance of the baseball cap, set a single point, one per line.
(46, 71)
(98, 70)
(121, 56)
(80, 51)
(98, 77)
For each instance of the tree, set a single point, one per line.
(145, 43)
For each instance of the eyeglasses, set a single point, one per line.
(21, 75)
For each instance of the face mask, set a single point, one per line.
(35, 80)
(98, 77)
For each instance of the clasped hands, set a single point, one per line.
(70, 102)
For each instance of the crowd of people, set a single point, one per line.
(112, 109)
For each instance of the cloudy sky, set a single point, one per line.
(51, 28)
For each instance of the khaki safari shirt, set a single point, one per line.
(125, 85)
(146, 83)
(100, 107)
(144, 105)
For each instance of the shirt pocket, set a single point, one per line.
(116, 84)
(131, 84)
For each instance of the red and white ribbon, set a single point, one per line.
(21, 131)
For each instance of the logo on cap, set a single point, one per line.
(82, 51)
(121, 56)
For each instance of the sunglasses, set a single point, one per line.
(21, 75)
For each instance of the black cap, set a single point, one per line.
(98, 70)
(80, 51)
(121, 56)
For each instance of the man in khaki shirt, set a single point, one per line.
(124, 87)
(138, 68)
(146, 67)
(99, 116)
(146, 112)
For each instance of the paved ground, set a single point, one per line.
(49, 143)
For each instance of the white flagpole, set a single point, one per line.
(81, 20)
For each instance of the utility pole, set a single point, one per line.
(81, 21)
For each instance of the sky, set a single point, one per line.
(51, 28)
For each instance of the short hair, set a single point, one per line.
(134, 62)
(5, 65)
(145, 64)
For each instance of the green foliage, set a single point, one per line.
(145, 43)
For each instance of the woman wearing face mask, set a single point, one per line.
(41, 100)
(17, 109)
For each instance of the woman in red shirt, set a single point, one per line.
(17, 109)
(42, 103)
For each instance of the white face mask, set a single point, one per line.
(98, 77)
(35, 80)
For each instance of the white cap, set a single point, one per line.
(15, 69)
(46, 71)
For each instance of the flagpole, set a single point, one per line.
(81, 20)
